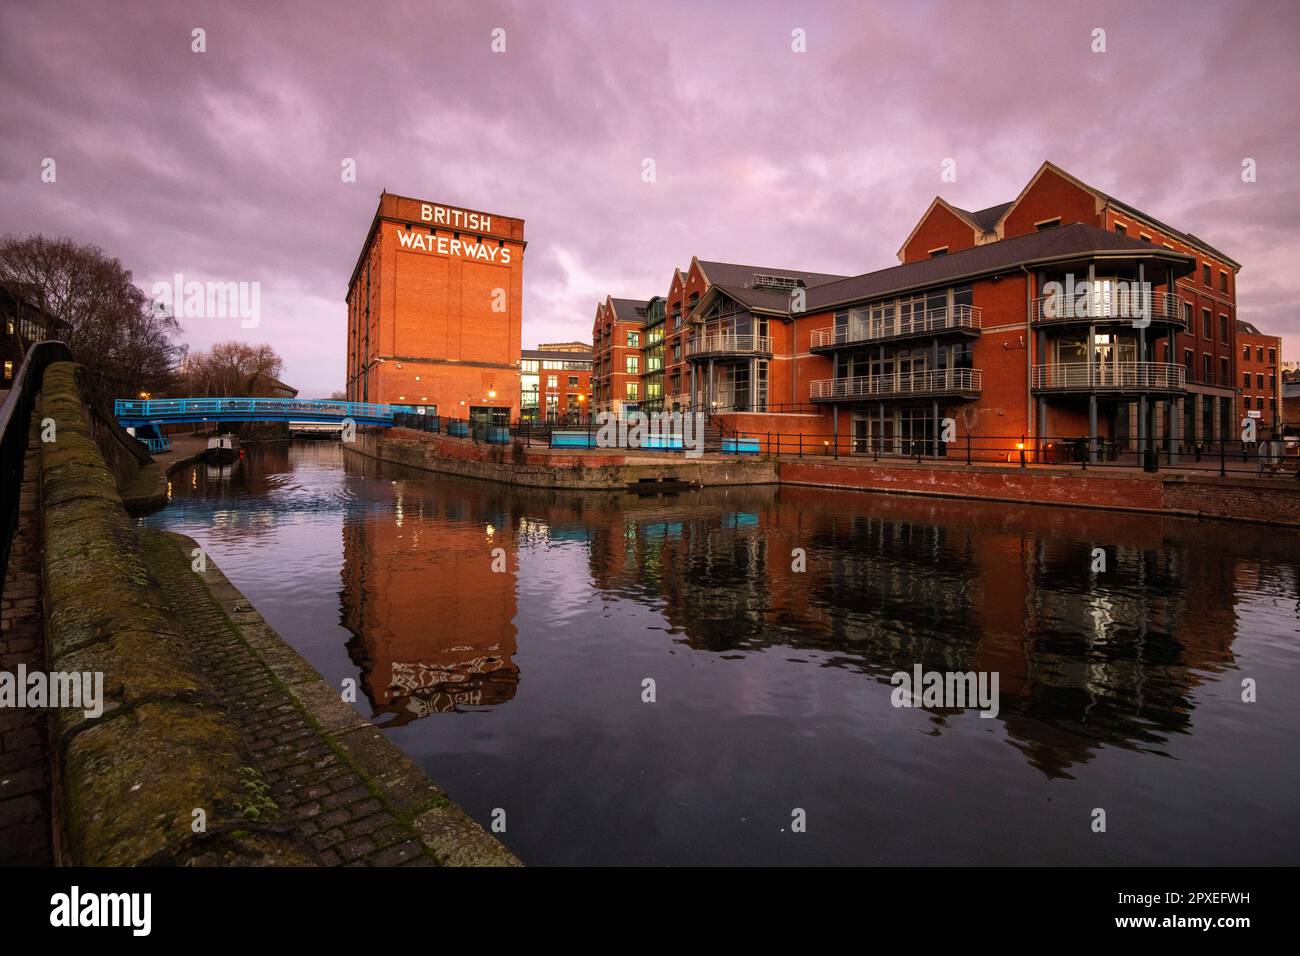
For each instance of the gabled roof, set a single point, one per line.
(1063, 242)
(732, 274)
(629, 310)
(756, 300)
(1251, 329)
(1185, 237)
(987, 219)
(968, 217)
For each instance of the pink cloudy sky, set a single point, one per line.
(225, 165)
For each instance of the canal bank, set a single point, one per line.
(215, 742)
(541, 467)
(1258, 500)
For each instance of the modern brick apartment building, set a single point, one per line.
(977, 325)
(434, 310)
(734, 354)
(555, 382)
(618, 354)
(1259, 366)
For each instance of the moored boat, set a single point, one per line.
(222, 448)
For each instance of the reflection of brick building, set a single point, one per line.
(896, 581)
(433, 622)
(434, 310)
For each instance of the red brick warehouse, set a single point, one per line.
(435, 310)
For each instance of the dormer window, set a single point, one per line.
(1047, 224)
(936, 253)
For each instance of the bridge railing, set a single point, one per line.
(15, 421)
(177, 409)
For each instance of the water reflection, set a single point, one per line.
(429, 596)
(773, 621)
(1085, 659)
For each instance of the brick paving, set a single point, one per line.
(316, 790)
(25, 827)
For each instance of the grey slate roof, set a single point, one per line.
(986, 219)
(630, 310)
(733, 274)
(1063, 241)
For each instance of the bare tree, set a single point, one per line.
(126, 346)
(232, 368)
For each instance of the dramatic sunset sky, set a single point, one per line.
(225, 165)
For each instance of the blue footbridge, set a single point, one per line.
(146, 415)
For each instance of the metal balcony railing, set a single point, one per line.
(943, 381)
(1110, 304)
(895, 326)
(728, 343)
(1109, 375)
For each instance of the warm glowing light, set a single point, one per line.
(492, 394)
(1020, 445)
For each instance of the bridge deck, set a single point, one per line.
(133, 413)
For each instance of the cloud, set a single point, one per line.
(225, 165)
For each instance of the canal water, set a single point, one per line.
(505, 639)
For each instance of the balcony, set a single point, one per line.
(1113, 306)
(1109, 377)
(958, 319)
(728, 344)
(963, 382)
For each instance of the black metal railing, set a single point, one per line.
(1268, 457)
(425, 423)
(15, 423)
